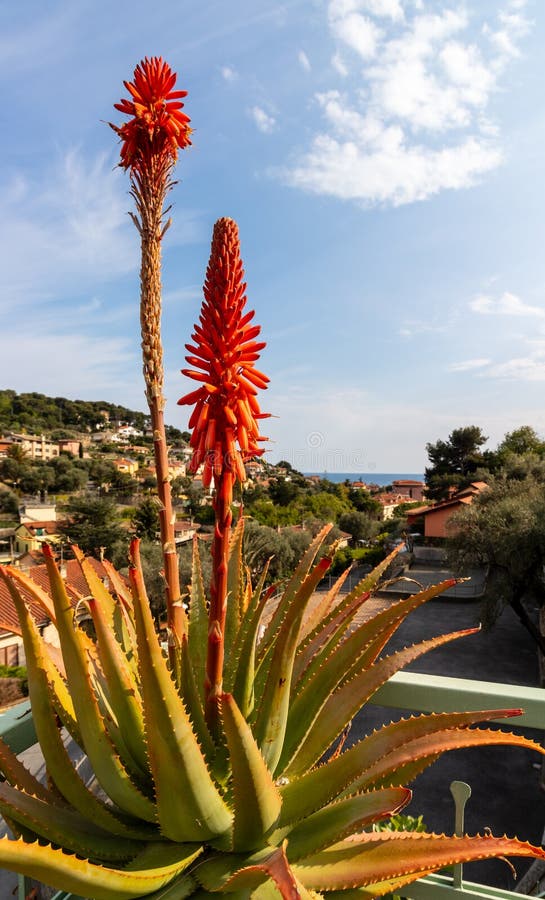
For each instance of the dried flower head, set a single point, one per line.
(223, 356)
(157, 125)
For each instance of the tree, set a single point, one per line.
(359, 525)
(454, 461)
(504, 530)
(93, 524)
(146, 519)
(523, 440)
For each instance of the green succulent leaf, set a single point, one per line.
(198, 620)
(341, 706)
(273, 712)
(391, 859)
(188, 803)
(257, 801)
(346, 773)
(65, 827)
(149, 872)
(59, 764)
(104, 759)
(335, 822)
(292, 589)
(243, 688)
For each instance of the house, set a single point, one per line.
(412, 490)
(389, 501)
(35, 446)
(11, 643)
(184, 531)
(70, 446)
(436, 518)
(126, 465)
(35, 511)
(29, 536)
(125, 433)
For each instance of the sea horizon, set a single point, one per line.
(380, 478)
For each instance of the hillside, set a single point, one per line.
(34, 412)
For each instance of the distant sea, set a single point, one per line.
(380, 478)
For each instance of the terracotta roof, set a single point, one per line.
(75, 584)
(408, 481)
(48, 527)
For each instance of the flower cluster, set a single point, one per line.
(157, 126)
(223, 356)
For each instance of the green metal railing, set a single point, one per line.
(405, 690)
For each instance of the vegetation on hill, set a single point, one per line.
(37, 413)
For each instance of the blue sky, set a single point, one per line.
(385, 162)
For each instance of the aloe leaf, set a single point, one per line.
(235, 592)
(243, 688)
(106, 764)
(62, 700)
(408, 761)
(189, 806)
(198, 620)
(18, 775)
(38, 594)
(273, 712)
(123, 691)
(192, 699)
(97, 588)
(62, 825)
(59, 765)
(358, 651)
(377, 631)
(399, 857)
(340, 708)
(302, 796)
(322, 609)
(257, 801)
(144, 875)
(322, 640)
(292, 589)
(181, 887)
(235, 873)
(342, 818)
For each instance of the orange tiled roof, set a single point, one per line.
(75, 585)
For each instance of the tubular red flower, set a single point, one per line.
(157, 127)
(222, 355)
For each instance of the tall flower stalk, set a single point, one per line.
(150, 140)
(224, 425)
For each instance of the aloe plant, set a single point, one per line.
(219, 766)
(262, 807)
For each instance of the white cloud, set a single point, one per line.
(265, 123)
(523, 368)
(506, 305)
(357, 32)
(228, 73)
(338, 64)
(391, 9)
(469, 365)
(68, 229)
(413, 121)
(47, 361)
(512, 27)
(415, 328)
(304, 61)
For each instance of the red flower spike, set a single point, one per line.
(222, 356)
(158, 127)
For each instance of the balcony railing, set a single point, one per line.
(405, 690)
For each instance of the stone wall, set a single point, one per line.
(10, 691)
